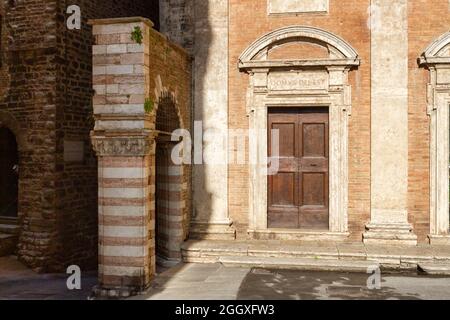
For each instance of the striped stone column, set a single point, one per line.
(124, 139)
(171, 204)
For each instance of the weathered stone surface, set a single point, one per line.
(297, 6)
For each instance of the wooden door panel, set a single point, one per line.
(286, 133)
(314, 168)
(313, 189)
(283, 189)
(299, 193)
(314, 140)
(286, 218)
(310, 219)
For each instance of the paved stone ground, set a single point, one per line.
(297, 285)
(19, 283)
(215, 282)
(197, 282)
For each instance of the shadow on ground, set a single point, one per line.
(262, 284)
(19, 283)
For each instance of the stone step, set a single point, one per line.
(9, 229)
(390, 227)
(298, 264)
(8, 244)
(8, 220)
(435, 268)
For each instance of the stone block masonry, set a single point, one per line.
(126, 76)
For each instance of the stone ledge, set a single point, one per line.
(204, 231)
(390, 234)
(298, 264)
(438, 269)
(436, 240)
(388, 257)
(280, 234)
(121, 21)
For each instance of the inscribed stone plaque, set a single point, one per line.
(288, 81)
(73, 151)
(443, 76)
(297, 6)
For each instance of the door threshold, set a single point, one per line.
(301, 235)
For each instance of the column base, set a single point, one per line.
(390, 234)
(116, 292)
(439, 240)
(212, 231)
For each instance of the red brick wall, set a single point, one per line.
(348, 19)
(173, 66)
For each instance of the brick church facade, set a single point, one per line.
(297, 121)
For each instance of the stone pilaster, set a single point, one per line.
(125, 144)
(211, 217)
(389, 37)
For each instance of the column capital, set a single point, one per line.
(133, 146)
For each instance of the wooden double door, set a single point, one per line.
(298, 194)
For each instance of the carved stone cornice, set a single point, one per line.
(123, 146)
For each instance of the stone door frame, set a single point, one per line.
(436, 58)
(326, 85)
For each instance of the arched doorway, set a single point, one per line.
(309, 105)
(436, 59)
(9, 177)
(169, 186)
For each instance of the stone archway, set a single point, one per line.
(317, 81)
(436, 58)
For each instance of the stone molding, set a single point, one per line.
(339, 48)
(7, 120)
(263, 94)
(436, 58)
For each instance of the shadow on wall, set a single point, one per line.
(204, 200)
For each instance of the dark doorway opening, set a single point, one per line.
(9, 174)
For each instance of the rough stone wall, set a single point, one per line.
(178, 22)
(348, 19)
(427, 21)
(4, 75)
(46, 92)
(29, 103)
